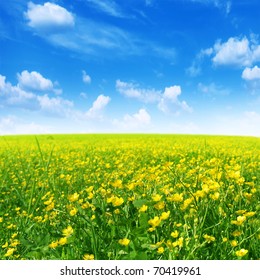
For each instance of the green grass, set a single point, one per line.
(112, 196)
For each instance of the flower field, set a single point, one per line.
(129, 197)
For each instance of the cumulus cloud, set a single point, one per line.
(34, 81)
(48, 16)
(140, 120)
(98, 106)
(169, 101)
(25, 95)
(166, 100)
(141, 117)
(85, 77)
(236, 52)
(250, 74)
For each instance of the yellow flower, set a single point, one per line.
(233, 243)
(179, 242)
(53, 244)
(209, 238)
(15, 243)
(1, 219)
(175, 234)
(240, 220)
(155, 221)
(165, 215)
(224, 239)
(9, 252)
(124, 242)
(156, 197)
(241, 253)
(50, 206)
(215, 196)
(186, 203)
(236, 233)
(159, 205)
(73, 211)
(88, 257)
(73, 197)
(62, 241)
(5, 245)
(250, 214)
(117, 201)
(160, 250)
(143, 208)
(67, 231)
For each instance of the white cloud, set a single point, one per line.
(172, 93)
(251, 73)
(34, 81)
(140, 120)
(237, 52)
(55, 106)
(164, 99)
(98, 105)
(22, 96)
(48, 16)
(195, 68)
(141, 117)
(85, 77)
(14, 96)
(169, 102)
(134, 91)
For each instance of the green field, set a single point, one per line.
(129, 197)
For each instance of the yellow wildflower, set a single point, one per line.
(156, 197)
(9, 252)
(160, 250)
(73, 211)
(5, 245)
(175, 234)
(241, 253)
(62, 241)
(67, 231)
(209, 238)
(240, 220)
(233, 243)
(117, 201)
(159, 205)
(88, 257)
(53, 244)
(73, 197)
(124, 242)
(165, 215)
(155, 221)
(143, 208)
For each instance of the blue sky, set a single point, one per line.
(147, 66)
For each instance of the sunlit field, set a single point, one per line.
(129, 197)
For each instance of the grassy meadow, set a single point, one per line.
(129, 197)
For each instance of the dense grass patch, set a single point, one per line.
(129, 197)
